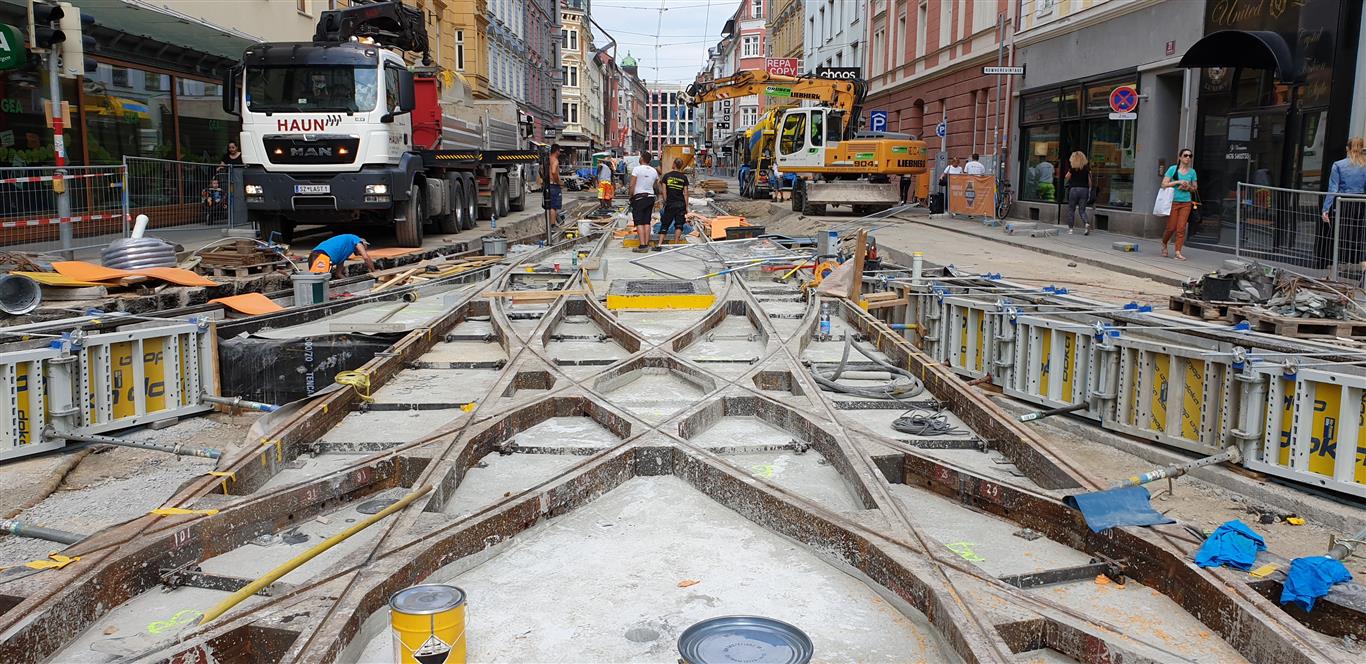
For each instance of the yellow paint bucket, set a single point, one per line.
(429, 624)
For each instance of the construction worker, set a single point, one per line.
(675, 185)
(331, 254)
(606, 190)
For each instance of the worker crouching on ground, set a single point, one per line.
(644, 188)
(331, 254)
(675, 185)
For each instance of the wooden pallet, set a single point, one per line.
(241, 259)
(1202, 309)
(1300, 328)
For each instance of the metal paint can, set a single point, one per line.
(752, 639)
(429, 624)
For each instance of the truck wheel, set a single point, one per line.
(409, 229)
(798, 193)
(471, 203)
(805, 206)
(450, 222)
(518, 203)
(501, 195)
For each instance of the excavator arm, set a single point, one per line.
(846, 96)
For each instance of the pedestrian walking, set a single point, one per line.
(905, 186)
(1348, 176)
(1181, 179)
(644, 187)
(675, 212)
(975, 166)
(1078, 182)
(775, 182)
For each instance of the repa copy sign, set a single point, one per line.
(784, 66)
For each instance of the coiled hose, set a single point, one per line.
(903, 386)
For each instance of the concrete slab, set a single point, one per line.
(663, 557)
(181, 606)
(751, 430)
(437, 386)
(463, 351)
(498, 476)
(567, 432)
(808, 475)
(655, 394)
(390, 426)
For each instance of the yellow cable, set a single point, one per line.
(289, 565)
(359, 381)
(178, 511)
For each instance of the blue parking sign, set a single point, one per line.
(877, 120)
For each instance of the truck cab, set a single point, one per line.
(326, 129)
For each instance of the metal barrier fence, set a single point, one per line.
(185, 194)
(104, 382)
(1286, 226)
(1195, 386)
(42, 210)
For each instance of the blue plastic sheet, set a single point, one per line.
(1311, 578)
(1234, 544)
(1128, 506)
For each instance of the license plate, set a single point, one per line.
(312, 188)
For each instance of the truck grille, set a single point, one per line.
(340, 150)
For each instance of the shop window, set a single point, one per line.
(1098, 95)
(1039, 108)
(205, 130)
(124, 120)
(1112, 162)
(25, 139)
(1042, 146)
(1069, 103)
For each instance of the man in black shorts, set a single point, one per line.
(675, 211)
(644, 187)
(551, 197)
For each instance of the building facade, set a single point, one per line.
(833, 34)
(671, 120)
(1064, 104)
(507, 50)
(542, 103)
(575, 90)
(635, 107)
(924, 68)
(750, 29)
(785, 29)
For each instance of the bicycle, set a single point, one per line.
(1005, 197)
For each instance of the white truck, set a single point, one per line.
(341, 130)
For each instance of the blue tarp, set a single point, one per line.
(1232, 543)
(1128, 506)
(1311, 578)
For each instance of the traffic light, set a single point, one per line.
(45, 31)
(73, 23)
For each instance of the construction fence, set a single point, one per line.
(61, 211)
(1287, 227)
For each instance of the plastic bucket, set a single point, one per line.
(19, 295)
(310, 288)
(429, 624)
(495, 246)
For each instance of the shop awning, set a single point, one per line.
(140, 18)
(1249, 49)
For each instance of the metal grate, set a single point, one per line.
(661, 287)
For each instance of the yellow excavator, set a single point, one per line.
(835, 163)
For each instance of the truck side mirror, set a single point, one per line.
(407, 97)
(231, 91)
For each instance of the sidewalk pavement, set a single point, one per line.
(1095, 249)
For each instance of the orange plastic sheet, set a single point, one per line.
(717, 225)
(83, 271)
(54, 279)
(251, 304)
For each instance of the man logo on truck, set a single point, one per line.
(310, 152)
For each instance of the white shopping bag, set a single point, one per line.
(1163, 206)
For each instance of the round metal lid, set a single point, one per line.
(747, 639)
(427, 599)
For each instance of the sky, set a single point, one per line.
(683, 32)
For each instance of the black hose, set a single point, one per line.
(904, 386)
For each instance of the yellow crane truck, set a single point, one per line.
(835, 163)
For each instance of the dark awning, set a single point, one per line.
(1250, 49)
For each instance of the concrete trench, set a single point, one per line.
(699, 433)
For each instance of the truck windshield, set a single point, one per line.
(315, 88)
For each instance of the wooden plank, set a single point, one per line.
(535, 294)
(860, 249)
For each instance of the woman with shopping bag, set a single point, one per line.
(1175, 198)
(1348, 176)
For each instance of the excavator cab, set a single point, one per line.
(804, 136)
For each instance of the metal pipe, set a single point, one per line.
(1231, 453)
(21, 529)
(273, 575)
(238, 403)
(204, 452)
(1345, 547)
(1040, 414)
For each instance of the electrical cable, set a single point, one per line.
(917, 422)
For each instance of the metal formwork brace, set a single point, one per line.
(1153, 380)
